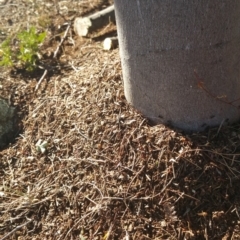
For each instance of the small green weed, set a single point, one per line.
(5, 54)
(26, 51)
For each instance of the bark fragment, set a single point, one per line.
(84, 26)
(110, 43)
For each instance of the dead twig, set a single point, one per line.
(15, 229)
(84, 26)
(54, 56)
(41, 79)
(62, 40)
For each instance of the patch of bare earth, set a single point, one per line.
(106, 173)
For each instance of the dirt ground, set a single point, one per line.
(106, 172)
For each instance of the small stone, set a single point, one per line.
(163, 223)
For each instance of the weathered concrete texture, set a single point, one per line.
(6, 122)
(162, 44)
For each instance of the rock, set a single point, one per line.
(6, 122)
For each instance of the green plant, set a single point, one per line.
(5, 54)
(26, 51)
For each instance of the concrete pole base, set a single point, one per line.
(181, 60)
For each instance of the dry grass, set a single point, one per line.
(106, 173)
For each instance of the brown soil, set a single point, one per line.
(106, 173)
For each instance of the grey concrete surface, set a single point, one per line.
(181, 60)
